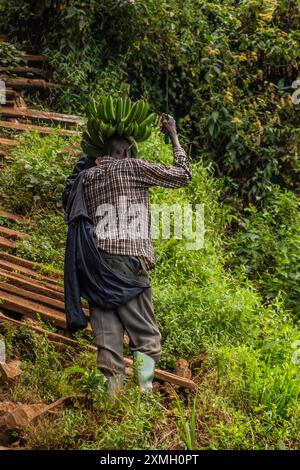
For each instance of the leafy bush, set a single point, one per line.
(34, 175)
(266, 247)
(231, 68)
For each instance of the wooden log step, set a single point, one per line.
(40, 115)
(4, 264)
(10, 103)
(58, 338)
(22, 127)
(64, 341)
(25, 282)
(35, 58)
(12, 217)
(10, 93)
(14, 234)
(27, 263)
(32, 309)
(25, 70)
(24, 289)
(33, 296)
(7, 142)
(31, 284)
(25, 83)
(6, 244)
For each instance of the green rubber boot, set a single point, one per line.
(144, 367)
(114, 385)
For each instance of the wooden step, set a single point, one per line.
(35, 58)
(27, 83)
(7, 142)
(58, 338)
(25, 282)
(6, 244)
(40, 115)
(14, 234)
(28, 264)
(32, 309)
(12, 217)
(22, 127)
(25, 70)
(4, 264)
(10, 93)
(34, 296)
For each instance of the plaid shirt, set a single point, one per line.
(116, 191)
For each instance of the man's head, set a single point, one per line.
(117, 147)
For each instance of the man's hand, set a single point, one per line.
(168, 125)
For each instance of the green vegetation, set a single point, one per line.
(231, 68)
(231, 308)
(248, 392)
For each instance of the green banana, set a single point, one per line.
(131, 115)
(118, 116)
(90, 150)
(119, 110)
(151, 118)
(126, 107)
(111, 130)
(144, 112)
(146, 134)
(140, 107)
(88, 139)
(135, 130)
(102, 109)
(94, 132)
(110, 110)
(120, 128)
(135, 147)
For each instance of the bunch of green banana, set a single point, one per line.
(116, 117)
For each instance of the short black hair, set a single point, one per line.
(116, 143)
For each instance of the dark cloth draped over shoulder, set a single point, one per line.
(86, 274)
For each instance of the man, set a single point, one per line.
(115, 192)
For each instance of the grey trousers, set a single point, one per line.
(136, 318)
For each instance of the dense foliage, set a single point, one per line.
(240, 348)
(231, 68)
(231, 308)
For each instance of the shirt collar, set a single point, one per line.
(107, 159)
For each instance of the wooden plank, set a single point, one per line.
(4, 264)
(31, 284)
(7, 142)
(22, 127)
(32, 309)
(27, 263)
(10, 93)
(7, 244)
(14, 234)
(159, 374)
(33, 296)
(25, 293)
(35, 58)
(12, 217)
(51, 335)
(25, 70)
(11, 103)
(41, 115)
(25, 83)
(167, 376)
